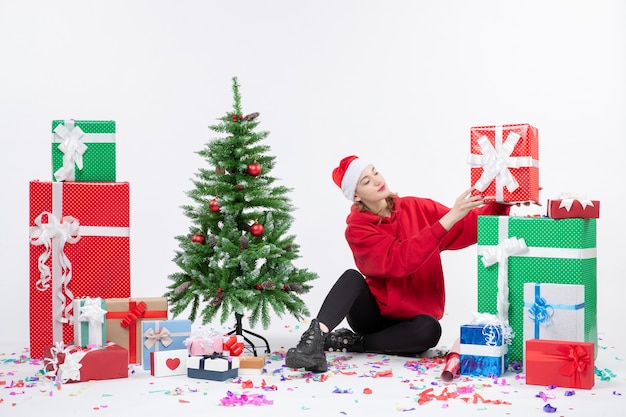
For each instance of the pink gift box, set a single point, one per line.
(205, 345)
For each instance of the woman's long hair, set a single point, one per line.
(391, 203)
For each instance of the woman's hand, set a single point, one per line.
(463, 204)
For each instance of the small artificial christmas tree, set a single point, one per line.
(238, 255)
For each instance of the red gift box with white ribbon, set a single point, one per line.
(75, 364)
(504, 162)
(571, 206)
(79, 247)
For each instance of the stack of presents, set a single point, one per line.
(536, 274)
(83, 322)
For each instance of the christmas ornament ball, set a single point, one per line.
(198, 238)
(254, 169)
(256, 229)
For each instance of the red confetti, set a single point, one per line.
(347, 372)
(367, 390)
(268, 387)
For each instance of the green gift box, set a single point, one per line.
(83, 150)
(558, 251)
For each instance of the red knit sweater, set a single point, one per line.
(400, 254)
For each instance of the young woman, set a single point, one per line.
(395, 302)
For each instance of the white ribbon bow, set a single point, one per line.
(497, 160)
(500, 254)
(567, 199)
(92, 312)
(65, 231)
(70, 368)
(73, 149)
(153, 337)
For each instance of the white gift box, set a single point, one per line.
(554, 312)
(168, 362)
(215, 367)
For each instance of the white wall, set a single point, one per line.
(398, 82)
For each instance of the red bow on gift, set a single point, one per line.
(577, 361)
(135, 313)
(233, 345)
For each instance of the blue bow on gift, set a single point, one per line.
(541, 311)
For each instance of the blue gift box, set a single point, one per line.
(160, 335)
(483, 351)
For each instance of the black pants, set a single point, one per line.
(352, 299)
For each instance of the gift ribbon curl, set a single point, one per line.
(73, 149)
(541, 311)
(494, 329)
(70, 368)
(65, 230)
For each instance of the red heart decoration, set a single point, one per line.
(172, 363)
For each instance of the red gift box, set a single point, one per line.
(561, 363)
(76, 364)
(505, 162)
(574, 207)
(79, 235)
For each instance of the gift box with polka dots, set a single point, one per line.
(79, 247)
(504, 162)
(83, 150)
(558, 251)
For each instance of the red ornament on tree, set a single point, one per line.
(256, 229)
(259, 287)
(198, 238)
(239, 187)
(254, 169)
(214, 206)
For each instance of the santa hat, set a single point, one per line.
(347, 174)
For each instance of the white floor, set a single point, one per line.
(396, 384)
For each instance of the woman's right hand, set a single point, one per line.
(463, 204)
